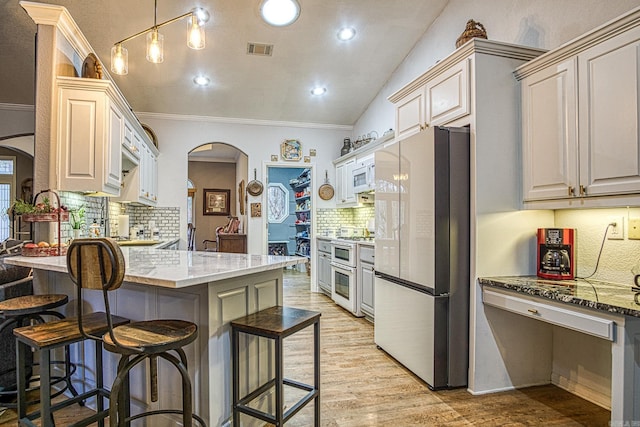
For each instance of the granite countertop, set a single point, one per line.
(598, 295)
(174, 269)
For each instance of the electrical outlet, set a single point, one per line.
(634, 228)
(616, 232)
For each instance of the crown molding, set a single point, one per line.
(241, 121)
(473, 46)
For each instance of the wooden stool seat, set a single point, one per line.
(151, 336)
(65, 331)
(276, 323)
(31, 304)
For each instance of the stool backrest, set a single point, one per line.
(96, 264)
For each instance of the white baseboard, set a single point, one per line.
(509, 388)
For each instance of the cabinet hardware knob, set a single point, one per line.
(571, 191)
(583, 190)
(532, 310)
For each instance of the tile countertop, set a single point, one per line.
(174, 269)
(603, 296)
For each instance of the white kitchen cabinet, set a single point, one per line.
(580, 107)
(448, 95)
(324, 266)
(131, 143)
(140, 183)
(550, 134)
(366, 278)
(345, 197)
(439, 100)
(410, 113)
(90, 133)
(149, 176)
(608, 111)
(98, 138)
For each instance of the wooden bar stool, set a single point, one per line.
(23, 311)
(276, 323)
(98, 264)
(46, 337)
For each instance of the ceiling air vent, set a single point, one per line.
(259, 49)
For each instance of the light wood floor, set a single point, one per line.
(363, 386)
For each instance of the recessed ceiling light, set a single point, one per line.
(280, 12)
(346, 33)
(318, 91)
(201, 80)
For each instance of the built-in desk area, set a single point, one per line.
(603, 310)
(207, 288)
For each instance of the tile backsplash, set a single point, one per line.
(166, 219)
(329, 221)
(98, 209)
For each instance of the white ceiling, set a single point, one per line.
(305, 54)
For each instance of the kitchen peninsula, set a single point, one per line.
(207, 288)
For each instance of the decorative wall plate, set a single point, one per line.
(151, 134)
(91, 67)
(291, 150)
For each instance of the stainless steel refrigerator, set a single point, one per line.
(422, 254)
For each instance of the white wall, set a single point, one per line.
(16, 119)
(543, 24)
(179, 135)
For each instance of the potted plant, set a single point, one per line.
(77, 220)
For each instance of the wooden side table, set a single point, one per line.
(232, 242)
(276, 323)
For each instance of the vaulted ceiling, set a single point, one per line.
(305, 54)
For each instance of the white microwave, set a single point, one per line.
(364, 176)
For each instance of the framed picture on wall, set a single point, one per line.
(216, 201)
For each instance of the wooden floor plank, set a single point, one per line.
(363, 386)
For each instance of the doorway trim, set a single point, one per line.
(314, 192)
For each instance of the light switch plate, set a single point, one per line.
(634, 228)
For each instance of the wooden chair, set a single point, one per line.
(98, 264)
(191, 237)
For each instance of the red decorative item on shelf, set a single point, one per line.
(46, 217)
(50, 251)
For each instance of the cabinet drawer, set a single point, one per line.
(578, 321)
(324, 246)
(367, 254)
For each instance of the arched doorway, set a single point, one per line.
(216, 168)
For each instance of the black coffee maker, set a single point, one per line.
(556, 257)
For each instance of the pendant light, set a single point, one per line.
(155, 41)
(155, 47)
(119, 59)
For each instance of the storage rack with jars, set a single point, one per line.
(302, 192)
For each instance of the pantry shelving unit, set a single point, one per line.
(302, 189)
